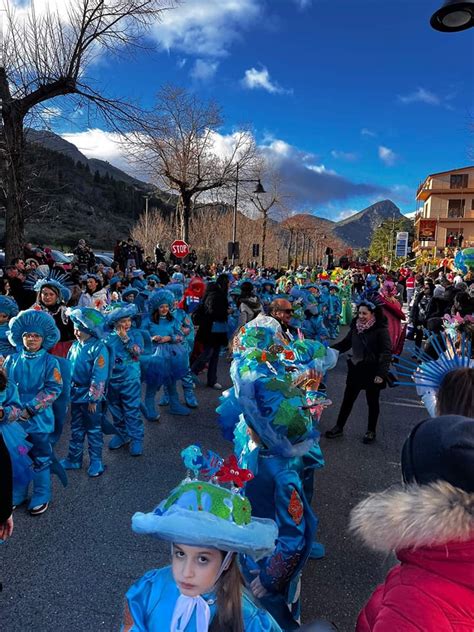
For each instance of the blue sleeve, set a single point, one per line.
(138, 601)
(12, 406)
(53, 385)
(100, 373)
(256, 619)
(280, 566)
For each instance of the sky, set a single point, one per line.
(353, 100)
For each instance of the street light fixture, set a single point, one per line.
(454, 15)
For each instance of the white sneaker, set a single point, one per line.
(217, 386)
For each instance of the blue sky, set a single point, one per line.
(356, 100)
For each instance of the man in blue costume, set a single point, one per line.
(89, 358)
(38, 378)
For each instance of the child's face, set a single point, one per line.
(124, 324)
(32, 342)
(48, 297)
(129, 298)
(4, 318)
(195, 568)
(163, 310)
(81, 335)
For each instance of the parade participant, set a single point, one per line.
(125, 345)
(248, 304)
(8, 309)
(267, 293)
(186, 328)
(170, 359)
(334, 311)
(138, 281)
(53, 295)
(94, 295)
(394, 315)
(367, 368)
(421, 311)
(37, 376)
(429, 524)
(208, 526)
(282, 311)
(89, 359)
(194, 294)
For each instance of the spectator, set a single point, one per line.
(422, 311)
(94, 295)
(83, 256)
(248, 304)
(159, 253)
(162, 273)
(282, 311)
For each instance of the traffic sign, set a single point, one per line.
(180, 248)
(401, 248)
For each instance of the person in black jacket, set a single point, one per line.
(6, 492)
(368, 367)
(211, 319)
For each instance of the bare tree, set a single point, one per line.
(179, 149)
(45, 56)
(151, 229)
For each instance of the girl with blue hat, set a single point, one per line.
(126, 346)
(37, 375)
(207, 525)
(170, 359)
(8, 309)
(89, 359)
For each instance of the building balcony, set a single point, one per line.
(424, 192)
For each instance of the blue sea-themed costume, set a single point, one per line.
(170, 360)
(267, 293)
(334, 312)
(8, 307)
(38, 378)
(202, 514)
(15, 436)
(90, 372)
(124, 389)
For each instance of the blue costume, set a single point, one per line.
(38, 378)
(90, 372)
(124, 392)
(15, 436)
(8, 307)
(334, 312)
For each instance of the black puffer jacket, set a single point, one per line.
(214, 309)
(371, 352)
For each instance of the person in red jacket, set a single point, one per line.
(429, 523)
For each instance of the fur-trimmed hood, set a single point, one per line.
(414, 516)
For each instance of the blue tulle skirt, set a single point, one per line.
(18, 447)
(169, 363)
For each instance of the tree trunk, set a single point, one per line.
(264, 237)
(186, 209)
(12, 180)
(290, 244)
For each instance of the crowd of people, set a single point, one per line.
(105, 345)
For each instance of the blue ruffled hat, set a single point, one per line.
(88, 320)
(116, 311)
(158, 298)
(177, 289)
(178, 277)
(204, 513)
(33, 321)
(130, 290)
(138, 273)
(8, 306)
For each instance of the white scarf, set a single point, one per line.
(183, 611)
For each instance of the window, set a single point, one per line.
(459, 181)
(472, 204)
(456, 208)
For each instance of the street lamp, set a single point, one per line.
(454, 15)
(258, 190)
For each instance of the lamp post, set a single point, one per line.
(147, 197)
(453, 16)
(258, 190)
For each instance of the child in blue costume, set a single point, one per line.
(89, 358)
(125, 345)
(170, 359)
(267, 293)
(8, 309)
(334, 311)
(37, 375)
(187, 329)
(207, 525)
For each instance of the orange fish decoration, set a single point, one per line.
(230, 472)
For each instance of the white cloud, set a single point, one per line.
(204, 70)
(345, 214)
(303, 4)
(181, 63)
(387, 156)
(260, 80)
(206, 28)
(367, 132)
(421, 95)
(96, 143)
(348, 156)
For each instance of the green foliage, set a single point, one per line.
(383, 241)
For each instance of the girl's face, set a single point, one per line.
(48, 297)
(91, 285)
(124, 324)
(364, 314)
(195, 569)
(32, 342)
(4, 318)
(163, 310)
(129, 298)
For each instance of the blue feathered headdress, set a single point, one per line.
(8, 306)
(33, 321)
(159, 298)
(57, 281)
(87, 319)
(119, 310)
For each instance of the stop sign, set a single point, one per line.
(180, 248)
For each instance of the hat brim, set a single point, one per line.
(184, 526)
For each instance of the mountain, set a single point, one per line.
(357, 229)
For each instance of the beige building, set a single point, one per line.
(447, 217)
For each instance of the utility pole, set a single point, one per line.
(147, 197)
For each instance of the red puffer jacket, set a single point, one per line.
(431, 528)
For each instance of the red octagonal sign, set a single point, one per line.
(180, 248)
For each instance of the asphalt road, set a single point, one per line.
(68, 570)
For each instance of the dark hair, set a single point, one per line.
(222, 282)
(247, 289)
(455, 393)
(3, 379)
(229, 617)
(376, 310)
(155, 317)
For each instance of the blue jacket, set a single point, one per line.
(90, 371)
(125, 356)
(151, 601)
(39, 383)
(6, 348)
(10, 403)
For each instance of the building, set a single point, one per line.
(446, 219)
